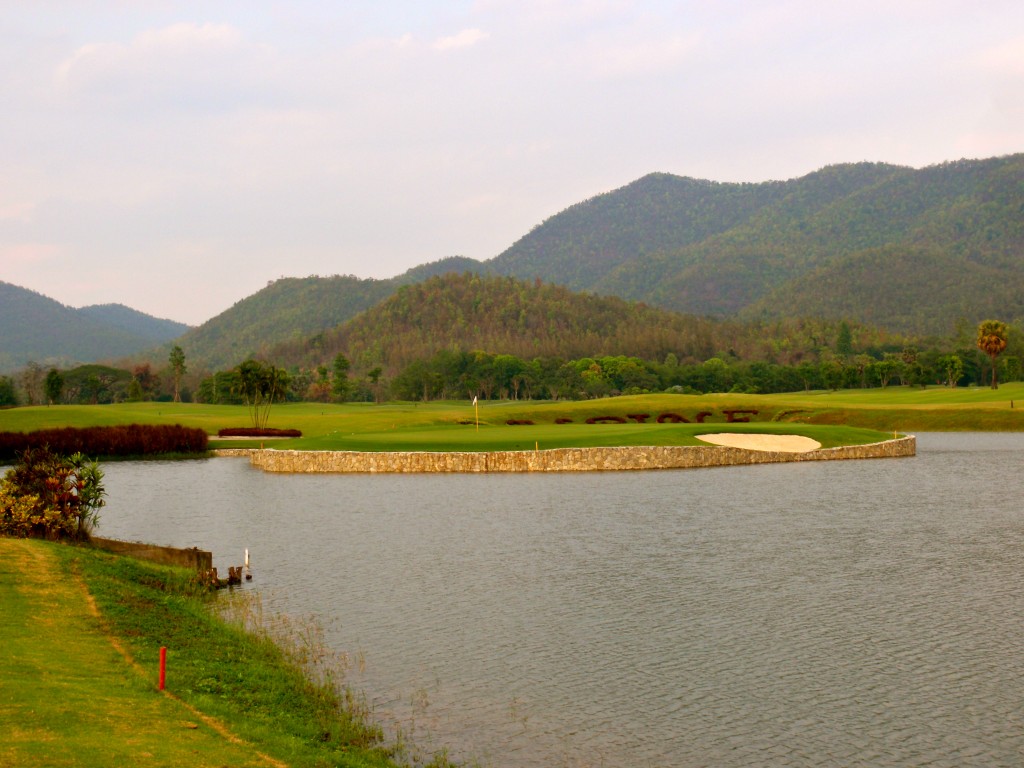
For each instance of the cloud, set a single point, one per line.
(463, 39)
(21, 212)
(1006, 58)
(642, 58)
(98, 60)
(181, 65)
(18, 254)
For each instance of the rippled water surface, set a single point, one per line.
(833, 613)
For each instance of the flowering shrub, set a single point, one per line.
(50, 496)
(639, 418)
(563, 420)
(18, 514)
(519, 422)
(606, 420)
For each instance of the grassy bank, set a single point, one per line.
(69, 696)
(452, 425)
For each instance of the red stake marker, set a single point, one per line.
(163, 667)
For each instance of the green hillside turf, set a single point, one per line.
(832, 418)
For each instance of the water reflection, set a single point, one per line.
(836, 613)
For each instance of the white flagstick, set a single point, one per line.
(476, 410)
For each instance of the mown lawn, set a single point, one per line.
(547, 436)
(69, 697)
(452, 425)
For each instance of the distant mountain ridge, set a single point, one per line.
(909, 250)
(36, 328)
(749, 249)
(508, 316)
(912, 251)
(295, 308)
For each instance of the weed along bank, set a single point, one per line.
(594, 459)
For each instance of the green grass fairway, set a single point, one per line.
(68, 698)
(451, 425)
(545, 436)
(80, 633)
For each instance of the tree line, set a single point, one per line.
(992, 354)
(454, 374)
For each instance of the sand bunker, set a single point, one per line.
(785, 443)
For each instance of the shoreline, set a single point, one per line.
(595, 459)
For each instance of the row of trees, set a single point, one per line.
(459, 374)
(94, 384)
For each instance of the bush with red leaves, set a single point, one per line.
(253, 432)
(125, 440)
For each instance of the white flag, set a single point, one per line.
(474, 399)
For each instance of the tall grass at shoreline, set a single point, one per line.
(276, 685)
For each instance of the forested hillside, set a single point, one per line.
(766, 249)
(534, 319)
(289, 308)
(36, 328)
(139, 324)
(912, 251)
(660, 212)
(294, 308)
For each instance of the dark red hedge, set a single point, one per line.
(251, 432)
(130, 440)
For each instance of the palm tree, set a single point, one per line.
(992, 341)
(177, 362)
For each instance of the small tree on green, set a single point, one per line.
(178, 369)
(135, 394)
(374, 377)
(844, 340)
(341, 386)
(53, 386)
(8, 395)
(992, 341)
(952, 368)
(261, 386)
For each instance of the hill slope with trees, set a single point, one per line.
(534, 319)
(722, 249)
(912, 250)
(295, 308)
(36, 328)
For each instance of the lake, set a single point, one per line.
(832, 613)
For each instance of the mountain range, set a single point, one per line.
(911, 251)
(36, 328)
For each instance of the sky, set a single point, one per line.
(175, 156)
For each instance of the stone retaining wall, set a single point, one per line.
(197, 559)
(561, 459)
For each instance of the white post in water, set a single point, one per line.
(248, 573)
